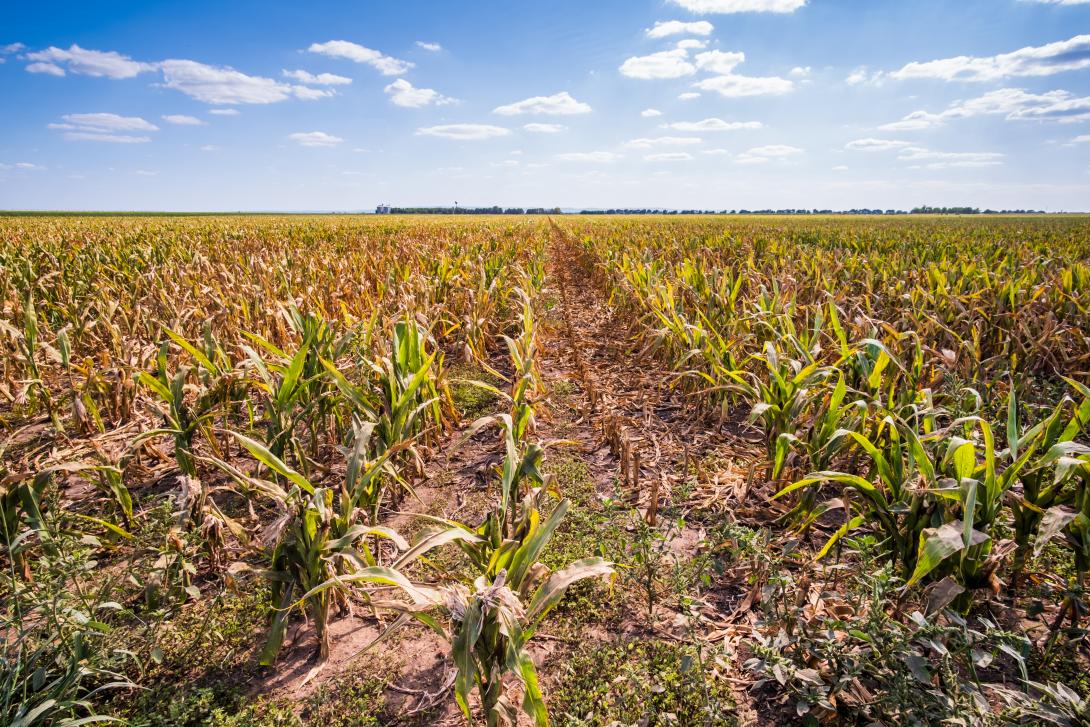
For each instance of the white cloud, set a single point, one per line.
(719, 62)
(1013, 104)
(731, 85)
(544, 128)
(650, 113)
(315, 138)
(224, 112)
(182, 120)
(508, 163)
(764, 154)
(1060, 2)
(145, 173)
(928, 159)
(664, 64)
(875, 144)
(737, 86)
(840, 168)
(740, 6)
(386, 65)
(322, 79)
(11, 48)
(24, 166)
(674, 156)
(663, 141)
(464, 132)
(688, 96)
(775, 150)
(1044, 60)
(403, 93)
(225, 85)
(691, 44)
(430, 47)
(716, 152)
(1082, 138)
(84, 62)
(915, 121)
(210, 147)
(713, 124)
(309, 94)
(861, 76)
(559, 104)
(799, 72)
(112, 138)
(104, 123)
(664, 28)
(597, 157)
(50, 69)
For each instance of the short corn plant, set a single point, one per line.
(183, 414)
(493, 619)
(318, 545)
(891, 497)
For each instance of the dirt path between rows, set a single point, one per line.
(611, 410)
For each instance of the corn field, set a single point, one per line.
(278, 470)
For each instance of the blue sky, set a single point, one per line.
(679, 103)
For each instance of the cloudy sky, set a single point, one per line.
(679, 103)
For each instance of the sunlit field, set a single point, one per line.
(280, 470)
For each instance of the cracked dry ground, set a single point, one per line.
(659, 643)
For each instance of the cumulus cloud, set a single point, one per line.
(665, 28)
(740, 6)
(676, 63)
(321, 79)
(691, 44)
(559, 104)
(85, 62)
(765, 154)
(430, 47)
(733, 86)
(688, 96)
(224, 112)
(225, 85)
(596, 157)
(182, 120)
(663, 141)
(650, 113)
(862, 76)
(927, 159)
(717, 61)
(799, 72)
(24, 166)
(713, 124)
(403, 93)
(464, 132)
(672, 156)
(1044, 60)
(876, 144)
(1013, 104)
(664, 64)
(105, 122)
(544, 128)
(315, 138)
(49, 69)
(384, 64)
